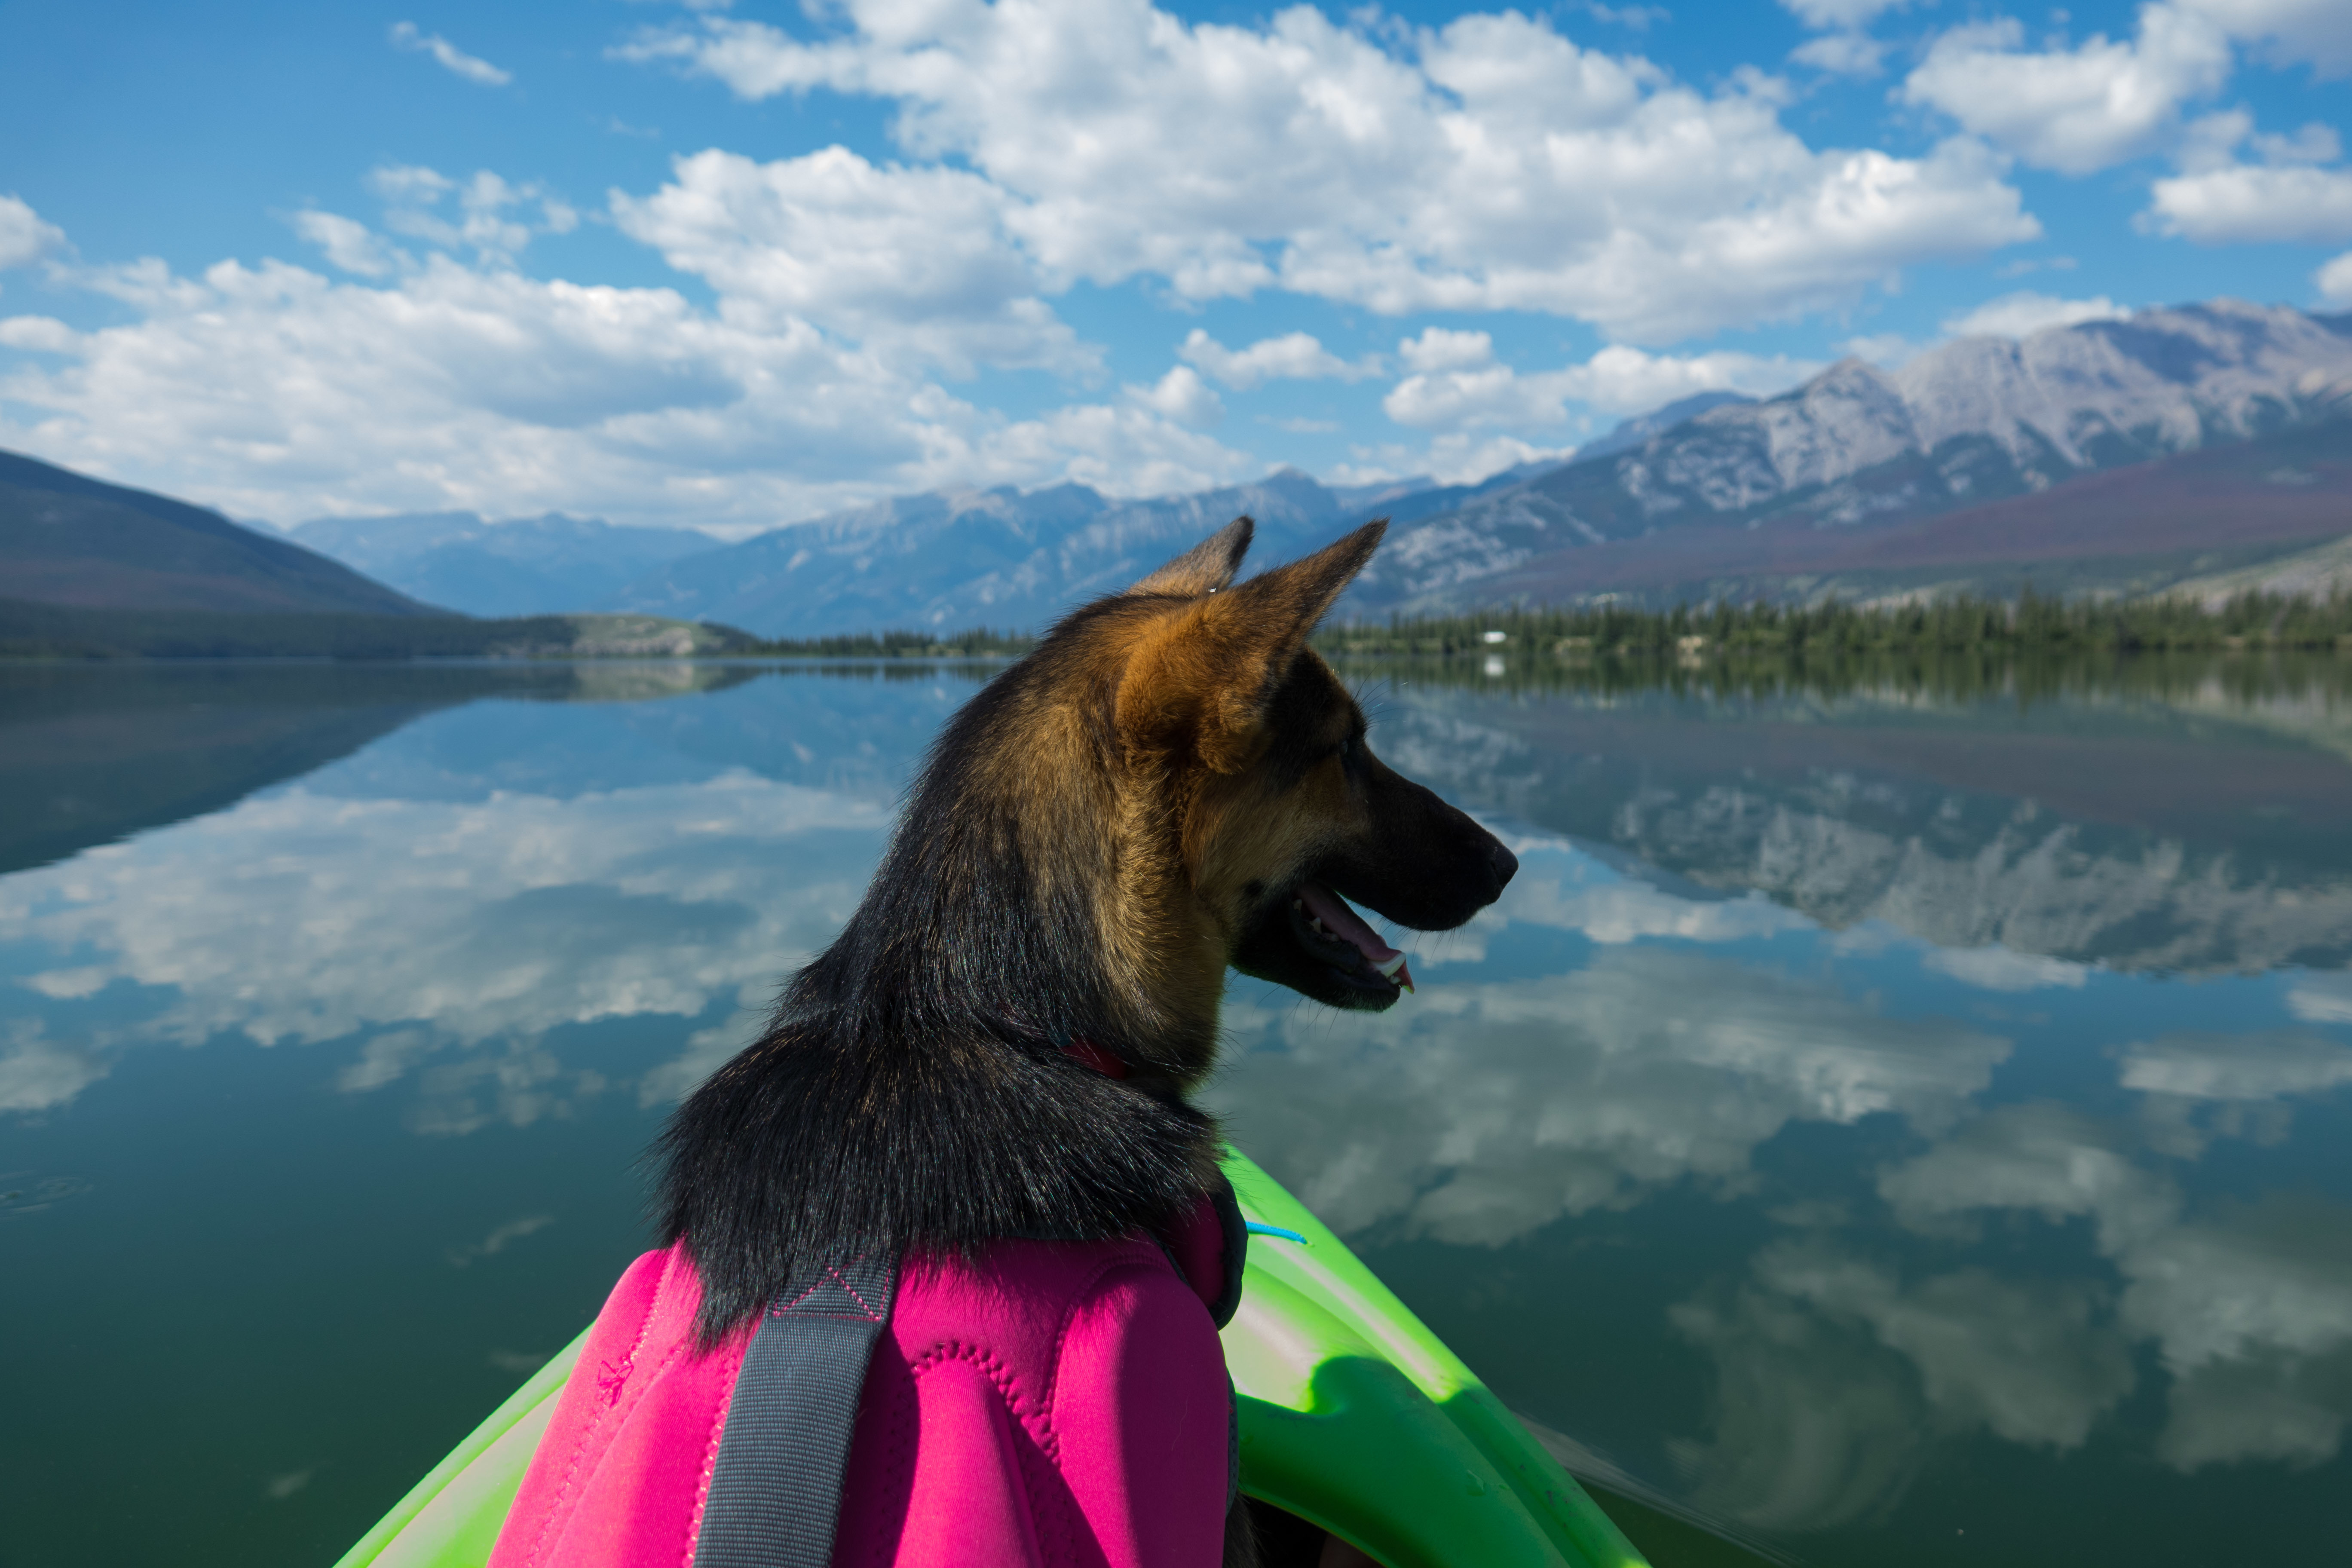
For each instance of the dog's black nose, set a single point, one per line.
(1507, 866)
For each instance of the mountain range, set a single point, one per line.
(2114, 456)
(93, 570)
(529, 567)
(1928, 462)
(2207, 447)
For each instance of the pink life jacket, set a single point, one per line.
(1054, 1404)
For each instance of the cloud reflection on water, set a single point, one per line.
(1485, 1108)
(431, 929)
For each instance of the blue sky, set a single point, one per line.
(726, 266)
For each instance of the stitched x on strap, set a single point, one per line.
(776, 1489)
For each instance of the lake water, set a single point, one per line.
(1882, 1124)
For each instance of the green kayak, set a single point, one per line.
(1353, 1417)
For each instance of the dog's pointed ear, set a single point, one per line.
(1205, 675)
(1285, 603)
(1206, 567)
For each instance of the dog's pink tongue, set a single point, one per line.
(1349, 926)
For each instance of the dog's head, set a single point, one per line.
(1239, 743)
(1172, 781)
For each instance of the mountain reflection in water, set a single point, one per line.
(1880, 1124)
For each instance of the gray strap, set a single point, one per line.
(775, 1491)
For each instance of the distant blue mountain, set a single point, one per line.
(954, 559)
(543, 565)
(947, 560)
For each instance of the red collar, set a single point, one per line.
(1095, 1056)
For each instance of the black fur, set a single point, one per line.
(911, 1091)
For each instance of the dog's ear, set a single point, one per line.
(1206, 567)
(1285, 603)
(1210, 669)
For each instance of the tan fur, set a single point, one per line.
(1164, 817)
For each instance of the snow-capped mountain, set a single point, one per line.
(1972, 421)
(539, 566)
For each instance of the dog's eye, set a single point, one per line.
(1346, 749)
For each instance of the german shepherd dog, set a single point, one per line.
(1171, 784)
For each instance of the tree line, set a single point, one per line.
(2033, 622)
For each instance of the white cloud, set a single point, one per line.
(2026, 312)
(915, 262)
(2252, 202)
(1841, 54)
(1884, 350)
(1442, 348)
(1183, 397)
(406, 35)
(348, 243)
(1616, 380)
(409, 184)
(2334, 280)
(2316, 31)
(273, 392)
(24, 238)
(1452, 458)
(1849, 13)
(1294, 357)
(486, 223)
(42, 334)
(1488, 165)
(2073, 110)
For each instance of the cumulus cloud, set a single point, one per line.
(915, 261)
(1440, 349)
(2253, 201)
(1618, 379)
(1841, 54)
(1491, 164)
(1293, 356)
(1826, 13)
(2318, 32)
(406, 35)
(346, 242)
(492, 217)
(1183, 397)
(24, 238)
(2026, 312)
(2073, 110)
(273, 392)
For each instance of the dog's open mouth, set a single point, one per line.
(1336, 936)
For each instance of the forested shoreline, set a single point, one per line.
(2029, 623)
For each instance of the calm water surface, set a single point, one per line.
(1873, 1128)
